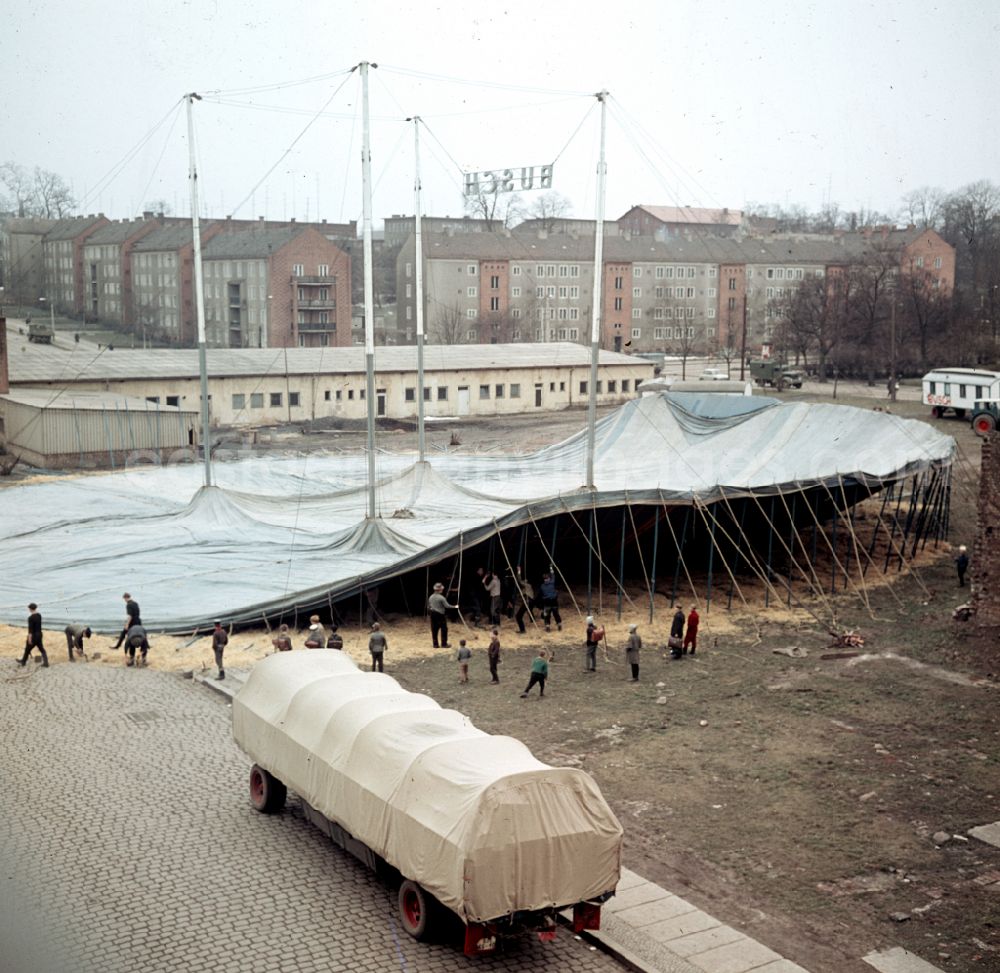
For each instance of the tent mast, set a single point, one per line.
(418, 261)
(199, 293)
(366, 192)
(595, 334)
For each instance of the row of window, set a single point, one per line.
(963, 390)
(666, 334)
(919, 262)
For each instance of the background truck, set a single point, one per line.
(40, 332)
(471, 824)
(776, 374)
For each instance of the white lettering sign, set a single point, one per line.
(492, 181)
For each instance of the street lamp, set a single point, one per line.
(52, 311)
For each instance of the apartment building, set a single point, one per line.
(62, 262)
(107, 268)
(676, 294)
(21, 258)
(276, 287)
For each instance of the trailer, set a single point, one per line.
(959, 390)
(472, 824)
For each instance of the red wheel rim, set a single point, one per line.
(983, 425)
(257, 787)
(411, 908)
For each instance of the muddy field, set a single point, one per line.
(817, 797)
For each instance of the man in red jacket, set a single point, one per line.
(691, 635)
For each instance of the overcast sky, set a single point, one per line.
(713, 102)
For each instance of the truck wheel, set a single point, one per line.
(937, 412)
(984, 424)
(267, 793)
(414, 909)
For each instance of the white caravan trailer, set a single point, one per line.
(959, 389)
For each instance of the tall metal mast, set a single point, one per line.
(366, 192)
(199, 293)
(418, 261)
(595, 334)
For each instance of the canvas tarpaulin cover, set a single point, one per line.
(477, 820)
(272, 533)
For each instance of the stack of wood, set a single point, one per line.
(847, 640)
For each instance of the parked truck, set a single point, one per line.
(40, 332)
(775, 373)
(470, 824)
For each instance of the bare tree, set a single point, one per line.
(813, 314)
(160, 207)
(548, 208)
(54, 198)
(449, 325)
(20, 188)
(500, 210)
(924, 207)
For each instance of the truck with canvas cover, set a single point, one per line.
(40, 332)
(472, 823)
(776, 374)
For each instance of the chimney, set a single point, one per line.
(146, 214)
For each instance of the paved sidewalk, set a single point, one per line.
(644, 926)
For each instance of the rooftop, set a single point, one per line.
(83, 363)
(48, 399)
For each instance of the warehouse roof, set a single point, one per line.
(47, 399)
(44, 363)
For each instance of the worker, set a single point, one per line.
(136, 639)
(219, 642)
(282, 641)
(437, 608)
(691, 635)
(34, 639)
(75, 634)
(316, 638)
(131, 617)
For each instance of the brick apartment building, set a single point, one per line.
(62, 262)
(276, 287)
(674, 294)
(107, 268)
(667, 221)
(21, 258)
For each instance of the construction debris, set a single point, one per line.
(847, 640)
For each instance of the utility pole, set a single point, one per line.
(743, 341)
(892, 349)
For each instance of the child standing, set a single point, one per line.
(539, 671)
(464, 654)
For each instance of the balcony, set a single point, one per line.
(314, 281)
(312, 327)
(323, 304)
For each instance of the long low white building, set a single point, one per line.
(255, 386)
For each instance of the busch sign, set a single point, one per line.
(507, 180)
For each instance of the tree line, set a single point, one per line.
(875, 317)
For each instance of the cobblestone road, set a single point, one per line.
(127, 844)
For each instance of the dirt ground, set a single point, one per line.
(817, 797)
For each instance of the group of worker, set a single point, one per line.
(133, 635)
